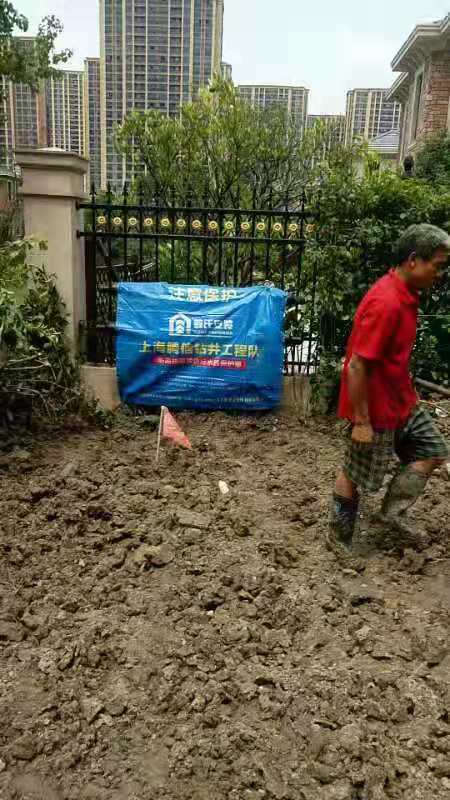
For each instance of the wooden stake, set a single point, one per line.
(161, 422)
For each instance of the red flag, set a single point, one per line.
(171, 430)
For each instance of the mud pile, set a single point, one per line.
(162, 641)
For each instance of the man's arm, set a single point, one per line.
(358, 388)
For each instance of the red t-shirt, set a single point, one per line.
(384, 332)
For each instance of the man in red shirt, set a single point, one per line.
(378, 397)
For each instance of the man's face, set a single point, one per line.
(424, 273)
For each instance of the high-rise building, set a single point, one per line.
(64, 95)
(334, 125)
(23, 119)
(52, 116)
(369, 114)
(227, 71)
(92, 136)
(294, 99)
(154, 54)
(29, 119)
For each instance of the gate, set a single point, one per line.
(194, 243)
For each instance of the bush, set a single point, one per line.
(433, 161)
(35, 364)
(359, 222)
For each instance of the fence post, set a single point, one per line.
(52, 183)
(91, 299)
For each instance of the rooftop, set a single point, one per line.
(387, 143)
(368, 89)
(399, 89)
(423, 40)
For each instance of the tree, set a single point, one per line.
(359, 222)
(222, 147)
(28, 65)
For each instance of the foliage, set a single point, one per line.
(224, 149)
(28, 65)
(326, 384)
(433, 161)
(35, 363)
(359, 221)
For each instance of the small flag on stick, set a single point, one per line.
(169, 429)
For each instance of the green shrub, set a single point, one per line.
(359, 222)
(35, 362)
(433, 161)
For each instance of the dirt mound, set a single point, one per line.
(162, 640)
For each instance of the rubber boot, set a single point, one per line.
(404, 490)
(343, 515)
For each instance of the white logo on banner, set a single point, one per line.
(182, 325)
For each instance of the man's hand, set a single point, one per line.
(363, 433)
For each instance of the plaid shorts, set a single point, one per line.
(418, 440)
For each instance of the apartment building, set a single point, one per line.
(369, 114)
(294, 99)
(23, 121)
(64, 100)
(92, 118)
(156, 55)
(334, 125)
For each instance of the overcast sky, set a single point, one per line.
(329, 46)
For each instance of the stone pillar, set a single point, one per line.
(53, 182)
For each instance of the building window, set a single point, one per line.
(418, 89)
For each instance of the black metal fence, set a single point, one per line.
(129, 239)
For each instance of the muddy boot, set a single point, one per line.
(343, 515)
(403, 491)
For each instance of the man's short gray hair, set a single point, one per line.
(423, 240)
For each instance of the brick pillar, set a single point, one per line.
(437, 95)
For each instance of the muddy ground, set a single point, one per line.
(160, 641)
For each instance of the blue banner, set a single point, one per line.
(200, 346)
